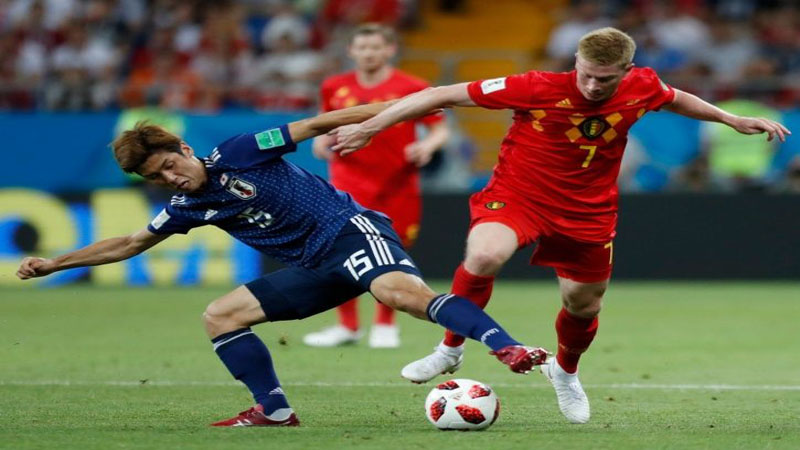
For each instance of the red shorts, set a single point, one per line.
(405, 212)
(585, 262)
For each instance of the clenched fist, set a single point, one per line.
(32, 267)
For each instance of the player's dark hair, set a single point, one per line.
(133, 147)
(369, 29)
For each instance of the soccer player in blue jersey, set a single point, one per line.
(335, 248)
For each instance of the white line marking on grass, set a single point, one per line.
(666, 387)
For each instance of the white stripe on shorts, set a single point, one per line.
(381, 240)
(379, 258)
(380, 248)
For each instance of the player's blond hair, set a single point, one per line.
(133, 147)
(369, 29)
(607, 46)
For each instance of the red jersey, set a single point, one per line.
(563, 152)
(379, 171)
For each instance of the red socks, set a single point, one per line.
(348, 314)
(575, 334)
(383, 314)
(476, 289)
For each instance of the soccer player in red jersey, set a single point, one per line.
(386, 179)
(554, 185)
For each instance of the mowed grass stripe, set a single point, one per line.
(340, 384)
(345, 384)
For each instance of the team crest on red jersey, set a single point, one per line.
(593, 127)
(495, 205)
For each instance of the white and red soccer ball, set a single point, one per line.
(462, 404)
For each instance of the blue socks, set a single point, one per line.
(461, 316)
(248, 360)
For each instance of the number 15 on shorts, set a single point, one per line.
(358, 264)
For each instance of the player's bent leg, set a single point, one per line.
(489, 246)
(576, 326)
(582, 299)
(409, 293)
(234, 310)
(227, 321)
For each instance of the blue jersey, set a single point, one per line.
(263, 201)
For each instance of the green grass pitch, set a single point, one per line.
(674, 365)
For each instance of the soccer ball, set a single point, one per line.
(462, 404)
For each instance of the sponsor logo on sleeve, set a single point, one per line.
(493, 85)
(160, 219)
(270, 139)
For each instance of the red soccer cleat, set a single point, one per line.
(254, 417)
(520, 358)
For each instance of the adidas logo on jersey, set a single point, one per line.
(210, 213)
(406, 262)
(564, 104)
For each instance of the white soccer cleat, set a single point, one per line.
(332, 337)
(444, 359)
(572, 401)
(384, 336)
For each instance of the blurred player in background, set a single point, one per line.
(554, 185)
(335, 248)
(385, 179)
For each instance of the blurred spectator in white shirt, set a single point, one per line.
(286, 76)
(730, 50)
(56, 12)
(581, 18)
(285, 21)
(679, 27)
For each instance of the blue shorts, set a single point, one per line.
(365, 248)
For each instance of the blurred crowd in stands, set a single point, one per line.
(206, 55)
(181, 54)
(746, 48)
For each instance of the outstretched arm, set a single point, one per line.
(692, 106)
(101, 252)
(325, 122)
(353, 137)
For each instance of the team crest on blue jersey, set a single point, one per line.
(241, 188)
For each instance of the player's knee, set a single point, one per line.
(585, 310)
(218, 320)
(584, 300)
(485, 262)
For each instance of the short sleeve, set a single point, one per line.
(171, 221)
(253, 149)
(512, 92)
(662, 93)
